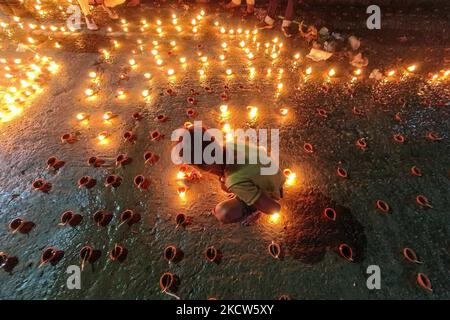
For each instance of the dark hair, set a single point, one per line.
(207, 139)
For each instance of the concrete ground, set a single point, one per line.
(310, 267)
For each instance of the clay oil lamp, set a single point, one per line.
(86, 182)
(41, 185)
(113, 180)
(70, 218)
(118, 253)
(150, 158)
(141, 182)
(88, 255)
(213, 255)
(129, 217)
(95, 162)
(102, 218)
(123, 160)
(7, 262)
(50, 255)
(173, 254)
(21, 226)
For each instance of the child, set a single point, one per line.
(237, 3)
(269, 20)
(253, 191)
(107, 5)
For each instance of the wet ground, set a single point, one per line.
(310, 267)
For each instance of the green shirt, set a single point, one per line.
(247, 182)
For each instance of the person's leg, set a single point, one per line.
(250, 6)
(269, 20)
(108, 6)
(90, 23)
(287, 20)
(232, 210)
(233, 4)
(84, 5)
(289, 13)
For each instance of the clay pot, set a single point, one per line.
(68, 138)
(113, 180)
(95, 162)
(155, 135)
(20, 225)
(161, 118)
(102, 218)
(411, 255)
(274, 250)
(7, 262)
(212, 254)
(89, 255)
(54, 163)
(86, 182)
(71, 219)
(41, 185)
(129, 217)
(129, 136)
(118, 253)
(182, 220)
(141, 182)
(382, 206)
(346, 252)
(190, 112)
(169, 282)
(137, 116)
(122, 160)
(50, 255)
(424, 282)
(150, 158)
(330, 214)
(173, 254)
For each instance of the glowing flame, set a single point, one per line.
(275, 217)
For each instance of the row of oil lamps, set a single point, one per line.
(24, 80)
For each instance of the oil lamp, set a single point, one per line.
(147, 75)
(183, 60)
(331, 73)
(229, 72)
(224, 112)
(252, 112)
(290, 177)
(170, 72)
(102, 136)
(411, 68)
(275, 217)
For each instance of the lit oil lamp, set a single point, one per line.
(274, 217)
(252, 112)
(182, 192)
(291, 177)
(229, 72)
(82, 116)
(224, 112)
(331, 73)
(147, 75)
(411, 68)
(170, 72)
(102, 137)
(107, 116)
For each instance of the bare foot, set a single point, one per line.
(251, 219)
(133, 3)
(231, 5)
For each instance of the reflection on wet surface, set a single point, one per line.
(322, 123)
